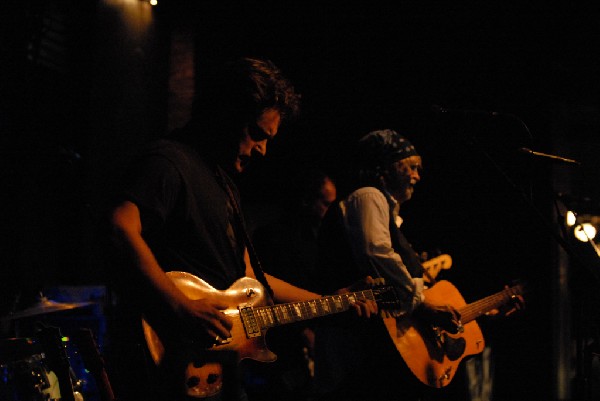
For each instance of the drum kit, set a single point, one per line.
(31, 367)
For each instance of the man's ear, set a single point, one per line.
(383, 172)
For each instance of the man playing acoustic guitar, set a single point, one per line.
(360, 237)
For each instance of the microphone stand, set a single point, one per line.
(541, 219)
(583, 353)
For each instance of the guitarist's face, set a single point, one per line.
(401, 177)
(253, 142)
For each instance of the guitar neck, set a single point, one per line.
(478, 308)
(272, 316)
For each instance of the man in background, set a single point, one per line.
(288, 250)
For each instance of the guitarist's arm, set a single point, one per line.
(367, 219)
(204, 314)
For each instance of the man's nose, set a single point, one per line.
(261, 147)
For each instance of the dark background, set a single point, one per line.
(85, 82)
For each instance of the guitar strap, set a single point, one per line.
(408, 254)
(254, 261)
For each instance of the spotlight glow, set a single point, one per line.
(571, 219)
(585, 232)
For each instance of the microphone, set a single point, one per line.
(541, 155)
(444, 111)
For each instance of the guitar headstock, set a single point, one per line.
(434, 265)
(512, 299)
(517, 289)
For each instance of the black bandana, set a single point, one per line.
(379, 149)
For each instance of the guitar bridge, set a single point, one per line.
(249, 321)
(445, 376)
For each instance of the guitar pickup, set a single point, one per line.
(250, 322)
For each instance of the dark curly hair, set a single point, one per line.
(241, 90)
(263, 83)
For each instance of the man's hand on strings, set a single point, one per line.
(515, 304)
(445, 317)
(363, 307)
(206, 315)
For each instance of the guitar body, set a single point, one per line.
(206, 379)
(432, 354)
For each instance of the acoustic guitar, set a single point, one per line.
(433, 354)
(252, 317)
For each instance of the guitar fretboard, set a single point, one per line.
(473, 310)
(271, 316)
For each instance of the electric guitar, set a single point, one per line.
(433, 354)
(434, 265)
(252, 317)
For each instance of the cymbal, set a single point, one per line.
(45, 306)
